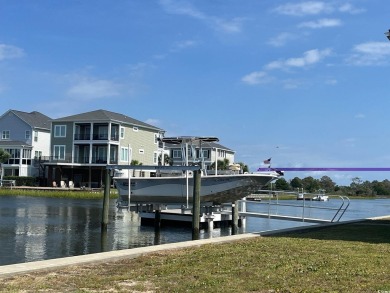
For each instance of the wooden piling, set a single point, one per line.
(196, 205)
(157, 220)
(106, 200)
(234, 218)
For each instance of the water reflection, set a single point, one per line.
(44, 228)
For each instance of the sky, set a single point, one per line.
(305, 83)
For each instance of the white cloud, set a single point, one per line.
(185, 8)
(257, 77)
(349, 8)
(89, 89)
(10, 52)
(154, 122)
(181, 7)
(229, 26)
(291, 84)
(360, 116)
(321, 23)
(315, 8)
(181, 45)
(304, 8)
(281, 39)
(370, 53)
(309, 57)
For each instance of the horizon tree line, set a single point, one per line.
(357, 187)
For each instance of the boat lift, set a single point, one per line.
(273, 208)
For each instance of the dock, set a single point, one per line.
(223, 215)
(208, 220)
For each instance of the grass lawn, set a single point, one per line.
(346, 258)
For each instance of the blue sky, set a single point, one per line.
(303, 82)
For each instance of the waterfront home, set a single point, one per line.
(82, 145)
(26, 137)
(211, 152)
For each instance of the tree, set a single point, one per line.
(167, 160)
(135, 163)
(381, 188)
(327, 184)
(4, 156)
(296, 183)
(221, 165)
(282, 184)
(244, 167)
(310, 184)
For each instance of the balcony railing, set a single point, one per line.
(87, 136)
(82, 136)
(79, 160)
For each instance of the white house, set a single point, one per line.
(26, 137)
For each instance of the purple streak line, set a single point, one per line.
(324, 169)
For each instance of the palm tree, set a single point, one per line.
(221, 165)
(167, 160)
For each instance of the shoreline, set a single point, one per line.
(52, 264)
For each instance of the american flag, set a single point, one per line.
(268, 161)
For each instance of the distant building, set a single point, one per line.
(26, 137)
(211, 153)
(83, 145)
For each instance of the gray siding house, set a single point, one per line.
(83, 144)
(212, 152)
(26, 137)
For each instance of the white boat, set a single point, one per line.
(321, 196)
(301, 196)
(179, 189)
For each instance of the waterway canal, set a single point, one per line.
(33, 228)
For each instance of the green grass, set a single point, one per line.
(346, 258)
(87, 194)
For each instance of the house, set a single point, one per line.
(82, 145)
(211, 152)
(26, 137)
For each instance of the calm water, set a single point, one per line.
(34, 229)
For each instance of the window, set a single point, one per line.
(26, 157)
(156, 138)
(221, 153)
(103, 132)
(59, 130)
(35, 136)
(122, 132)
(59, 152)
(176, 154)
(155, 157)
(135, 128)
(124, 154)
(38, 154)
(15, 156)
(141, 151)
(28, 134)
(205, 154)
(26, 154)
(5, 134)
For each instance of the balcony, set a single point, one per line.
(78, 160)
(82, 136)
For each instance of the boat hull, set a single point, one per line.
(215, 189)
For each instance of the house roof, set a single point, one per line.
(204, 145)
(104, 115)
(34, 119)
(13, 143)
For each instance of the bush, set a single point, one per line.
(22, 180)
